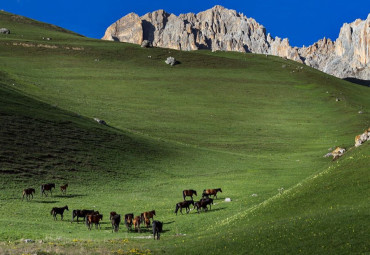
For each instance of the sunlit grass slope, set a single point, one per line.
(247, 123)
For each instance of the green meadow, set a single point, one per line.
(249, 124)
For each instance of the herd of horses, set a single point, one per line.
(92, 217)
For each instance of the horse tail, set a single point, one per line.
(177, 208)
(51, 212)
(42, 188)
(183, 194)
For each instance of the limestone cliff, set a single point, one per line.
(223, 29)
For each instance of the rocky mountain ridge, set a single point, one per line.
(222, 29)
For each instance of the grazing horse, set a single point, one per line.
(184, 204)
(58, 210)
(94, 218)
(28, 193)
(147, 215)
(128, 220)
(47, 187)
(189, 193)
(63, 188)
(137, 221)
(211, 192)
(82, 213)
(157, 228)
(115, 220)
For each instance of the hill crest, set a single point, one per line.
(223, 29)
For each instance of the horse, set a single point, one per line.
(128, 220)
(115, 220)
(203, 203)
(28, 193)
(47, 187)
(147, 222)
(63, 188)
(189, 193)
(94, 218)
(211, 192)
(157, 228)
(82, 213)
(184, 204)
(58, 210)
(147, 215)
(137, 221)
(111, 215)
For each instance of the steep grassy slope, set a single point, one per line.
(247, 123)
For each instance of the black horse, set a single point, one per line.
(184, 204)
(47, 187)
(115, 220)
(189, 193)
(58, 210)
(157, 228)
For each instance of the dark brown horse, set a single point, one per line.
(28, 193)
(211, 192)
(189, 193)
(58, 210)
(47, 187)
(184, 204)
(94, 219)
(63, 188)
(82, 213)
(128, 220)
(111, 215)
(203, 204)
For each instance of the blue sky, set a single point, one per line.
(303, 22)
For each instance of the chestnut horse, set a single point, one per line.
(147, 215)
(137, 221)
(93, 218)
(211, 192)
(28, 193)
(189, 193)
(63, 188)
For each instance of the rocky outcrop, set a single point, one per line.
(226, 30)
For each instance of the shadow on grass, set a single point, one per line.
(70, 196)
(45, 202)
(211, 210)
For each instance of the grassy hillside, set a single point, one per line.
(248, 123)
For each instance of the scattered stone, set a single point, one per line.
(149, 56)
(254, 195)
(227, 199)
(283, 66)
(281, 190)
(337, 99)
(360, 112)
(29, 241)
(171, 61)
(4, 31)
(146, 44)
(102, 122)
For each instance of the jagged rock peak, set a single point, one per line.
(219, 28)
